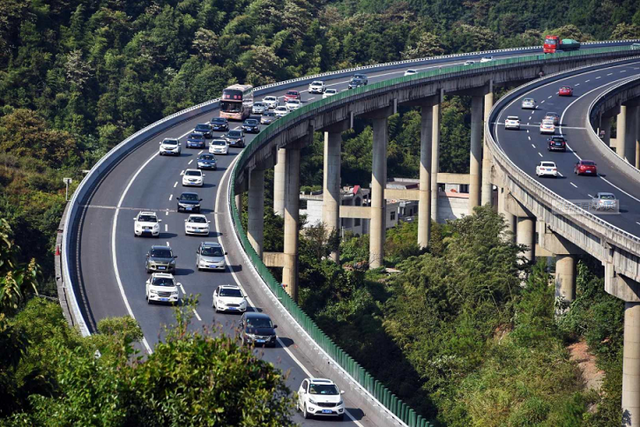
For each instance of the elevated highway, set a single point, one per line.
(103, 263)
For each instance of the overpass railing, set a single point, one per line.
(395, 405)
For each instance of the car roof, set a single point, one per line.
(192, 170)
(321, 381)
(292, 91)
(270, 97)
(164, 275)
(547, 162)
(513, 117)
(527, 99)
(203, 124)
(228, 286)
(211, 244)
(255, 315)
(197, 216)
(221, 119)
(317, 82)
(605, 193)
(146, 213)
(188, 192)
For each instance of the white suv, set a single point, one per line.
(512, 122)
(193, 177)
(317, 87)
(329, 92)
(229, 298)
(169, 146)
(219, 146)
(146, 224)
(162, 287)
(271, 101)
(320, 397)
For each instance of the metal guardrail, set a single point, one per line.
(88, 184)
(374, 387)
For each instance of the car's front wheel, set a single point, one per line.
(306, 415)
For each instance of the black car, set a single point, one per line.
(235, 138)
(160, 258)
(251, 126)
(207, 161)
(189, 202)
(356, 83)
(195, 140)
(205, 129)
(557, 143)
(258, 330)
(219, 123)
(362, 77)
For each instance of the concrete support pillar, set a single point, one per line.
(378, 183)
(477, 103)
(630, 133)
(605, 125)
(424, 204)
(255, 226)
(637, 143)
(621, 137)
(278, 182)
(291, 214)
(487, 187)
(509, 218)
(331, 182)
(525, 235)
(631, 365)
(435, 159)
(238, 201)
(566, 277)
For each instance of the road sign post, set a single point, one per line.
(67, 181)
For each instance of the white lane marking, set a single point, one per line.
(309, 99)
(637, 221)
(181, 173)
(197, 315)
(166, 227)
(577, 84)
(533, 145)
(609, 74)
(114, 255)
(182, 289)
(168, 243)
(550, 96)
(170, 197)
(190, 161)
(200, 152)
(598, 77)
(560, 174)
(623, 71)
(573, 184)
(235, 278)
(166, 213)
(175, 185)
(527, 130)
(540, 154)
(542, 102)
(529, 138)
(587, 81)
(589, 195)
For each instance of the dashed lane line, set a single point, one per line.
(540, 154)
(170, 197)
(573, 184)
(533, 145)
(175, 185)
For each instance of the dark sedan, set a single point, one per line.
(220, 124)
(356, 83)
(196, 140)
(235, 138)
(205, 129)
(258, 330)
(189, 202)
(557, 143)
(251, 126)
(207, 161)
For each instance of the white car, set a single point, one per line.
(281, 111)
(410, 72)
(320, 397)
(169, 146)
(604, 201)
(259, 108)
(196, 224)
(329, 92)
(146, 224)
(529, 104)
(271, 101)
(512, 122)
(162, 287)
(486, 59)
(545, 168)
(219, 146)
(193, 177)
(317, 87)
(469, 62)
(547, 126)
(229, 298)
(293, 104)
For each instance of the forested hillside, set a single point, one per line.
(470, 347)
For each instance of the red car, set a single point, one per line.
(292, 94)
(586, 167)
(565, 91)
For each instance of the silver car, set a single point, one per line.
(210, 256)
(259, 108)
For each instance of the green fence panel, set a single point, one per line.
(373, 386)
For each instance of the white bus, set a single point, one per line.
(236, 102)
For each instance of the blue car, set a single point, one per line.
(207, 161)
(196, 140)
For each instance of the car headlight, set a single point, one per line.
(156, 226)
(172, 262)
(174, 293)
(153, 292)
(341, 403)
(252, 336)
(313, 402)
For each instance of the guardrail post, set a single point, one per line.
(255, 225)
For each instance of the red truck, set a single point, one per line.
(552, 44)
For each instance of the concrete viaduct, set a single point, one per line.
(525, 204)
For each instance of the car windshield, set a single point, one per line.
(528, 100)
(588, 163)
(147, 218)
(218, 142)
(258, 322)
(202, 127)
(230, 292)
(607, 197)
(163, 281)
(316, 84)
(325, 389)
(219, 120)
(331, 91)
(170, 142)
(160, 253)
(193, 173)
(281, 109)
(211, 251)
(195, 136)
(251, 122)
(269, 114)
(189, 196)
(547, 164)
(234, 134)
(206, 157)
(270, 98)
(258, 104)
(292, 92)
(359, 76)
(512, 118)
(198, 219)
